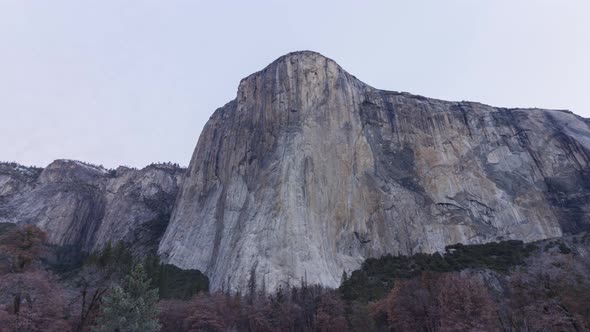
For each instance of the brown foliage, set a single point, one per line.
(172, 314)
(410, 306)
(309, 309)
(20, 247)
(32, 302)
(552, 294)
(438, 302)
(465, 304)
(329, 314)
(208, 313)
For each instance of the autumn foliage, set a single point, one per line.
(20, 247)
(37, 305)
(507, 286)
(29, 298)
(309, 308)
(438, 302)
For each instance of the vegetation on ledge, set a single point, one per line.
(377, 275)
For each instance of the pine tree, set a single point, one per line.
(131, 308)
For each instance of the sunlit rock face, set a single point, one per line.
(309, 171)
(85, 206)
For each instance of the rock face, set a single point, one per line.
(309, 171)
(85, 206)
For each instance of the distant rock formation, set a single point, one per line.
(309, 171)
(86, 206)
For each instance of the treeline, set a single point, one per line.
(33, 171)
(505, 286)
(552, 293)
(14, 164)
(303, 308)
(378, 275)
(165, 164)
(171, 281)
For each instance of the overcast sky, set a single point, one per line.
(131, 82)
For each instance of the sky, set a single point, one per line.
(133, 82)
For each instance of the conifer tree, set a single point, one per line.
(131, 308)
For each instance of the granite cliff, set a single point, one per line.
(83, 206)
(309, 171)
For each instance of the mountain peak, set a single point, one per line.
(302, 54)
(307, 60)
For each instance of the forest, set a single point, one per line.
(499, 286)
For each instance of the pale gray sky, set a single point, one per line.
(131, 82)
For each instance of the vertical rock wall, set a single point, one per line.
(309, 171)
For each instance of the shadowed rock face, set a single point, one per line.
(309, 171)
(85, 207)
